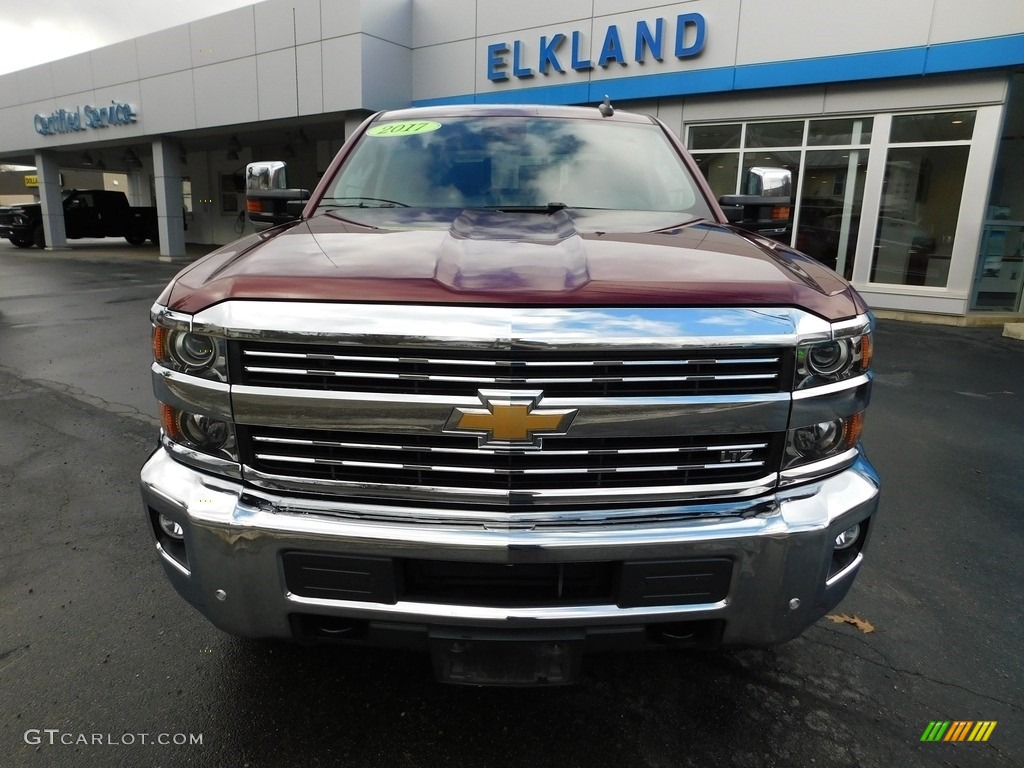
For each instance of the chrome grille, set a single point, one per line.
(559, 373)
(455, 461)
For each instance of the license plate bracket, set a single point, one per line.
(476, 660)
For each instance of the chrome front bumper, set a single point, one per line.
(781, 551)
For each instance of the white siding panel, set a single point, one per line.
(311, 79)
(167, 103)
(500, 16)
(72, 75)
(443, 70)
(339, 18)
(9, 94)
(113, 64)
(387, 74)
(955, 20)
(389, 20)
(35, 83)
(278, 96)
(282, 23)
(805, 29)
(343, 73)
(226, 93)
(442, 21)
(164, 52)
(223, 37)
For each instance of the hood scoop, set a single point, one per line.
(512, 252)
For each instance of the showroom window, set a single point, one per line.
(825, 162)
(999, 276)
(925, 166)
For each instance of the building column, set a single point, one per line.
(170, 217)
(50, 197)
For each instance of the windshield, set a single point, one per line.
(588, 167)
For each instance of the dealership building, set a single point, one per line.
(900, 126)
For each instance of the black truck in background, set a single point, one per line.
(87, 213)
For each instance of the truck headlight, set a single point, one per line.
(187, 352)
(824, 362)
(198, 432)
(823, 440)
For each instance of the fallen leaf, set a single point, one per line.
(861, 624)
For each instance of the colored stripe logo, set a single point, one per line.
(958, 730)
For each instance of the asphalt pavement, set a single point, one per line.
(101, 662)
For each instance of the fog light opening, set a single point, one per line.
(848, 538)
(171, 528)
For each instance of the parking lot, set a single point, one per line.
(101, 664)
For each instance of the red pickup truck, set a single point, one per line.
(508, 387)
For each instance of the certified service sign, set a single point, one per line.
(84, 118)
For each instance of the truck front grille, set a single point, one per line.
(559, 372)
(454, 461)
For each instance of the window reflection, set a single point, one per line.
(921, 196)
(830, 206)
(505, 162)
(945, 126)
(999, 274)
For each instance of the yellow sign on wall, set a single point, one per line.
(31, 181)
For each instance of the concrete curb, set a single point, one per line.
(1014, 331)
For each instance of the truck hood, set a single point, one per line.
(493, 257)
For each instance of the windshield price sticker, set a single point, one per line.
(409, 128)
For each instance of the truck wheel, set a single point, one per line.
(39, 237)
(135, 239)
(21, 243)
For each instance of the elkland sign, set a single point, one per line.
(552, 53)
(83, 118)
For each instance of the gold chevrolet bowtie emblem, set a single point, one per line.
(511, 420)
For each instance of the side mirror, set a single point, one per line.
(268, 199)
(732, 209)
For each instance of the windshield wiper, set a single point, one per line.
(384, 203)
(548, 208)
(681, 224)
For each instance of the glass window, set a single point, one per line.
(999, 276)
(788, 134)
(945, 126)
(508, 162)
(715, 137)
(840, 132)
(720, 171)
(830, 206)
(921, 195)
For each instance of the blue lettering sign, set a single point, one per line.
(548, 58)
(611, 50)
(579, 64)
(63, 121)
(496, 61)
(648, 41)
(684, 22)
(517, 58)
